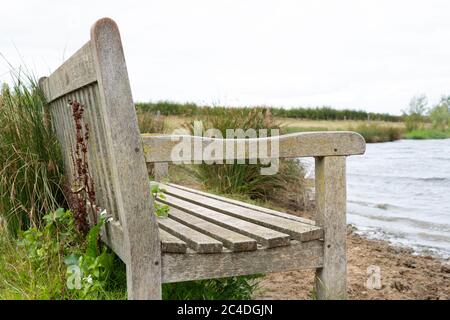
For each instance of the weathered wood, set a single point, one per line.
(194, 239)
(128, 170)
(161, 170)
(112, 235)
(232, 240)
(331, 279)
(302, 144)
(265, 236)
(77, 72)
(192, 266)
(245, 204)
(170, 243)
(297, 230)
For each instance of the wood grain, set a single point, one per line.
(193, 266)
(245, 205)
(128, 169)
(194, 239)
(301, 144)
(297, 230)
(232, 240)
(265, 236)
(331, 280)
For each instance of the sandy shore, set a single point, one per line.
(403, 275)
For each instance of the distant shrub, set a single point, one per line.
(440, 114)
(415, 114)
(378, 133)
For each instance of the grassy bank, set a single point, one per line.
(427, 134)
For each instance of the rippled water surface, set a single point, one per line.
(400, 191)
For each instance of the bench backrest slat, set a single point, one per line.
(96, 76)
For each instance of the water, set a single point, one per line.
(400, 191)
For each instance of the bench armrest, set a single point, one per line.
(159, 148)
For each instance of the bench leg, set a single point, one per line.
(331, 280)
(143, 280)
(161, 171)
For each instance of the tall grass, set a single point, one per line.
(150, 122)
(246, 179)
(30, 159)
(378, 133)
(372, 132)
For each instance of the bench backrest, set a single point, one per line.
(96, 76)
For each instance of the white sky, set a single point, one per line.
(371, 55)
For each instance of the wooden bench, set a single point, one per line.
(205, 236)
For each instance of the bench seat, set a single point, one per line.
(240, 238)
(206, 223)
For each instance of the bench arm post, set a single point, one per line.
(331, 279)
(161, 170)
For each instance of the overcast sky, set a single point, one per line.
(371, 55)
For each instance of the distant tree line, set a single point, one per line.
(317, 113)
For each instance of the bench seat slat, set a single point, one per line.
(170, 243)
(232, 240)
(194, 239)
(245, 205)
(297, 230)
(265, 236)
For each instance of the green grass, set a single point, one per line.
(427, 134)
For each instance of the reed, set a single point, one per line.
(31, 170)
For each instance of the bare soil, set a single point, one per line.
(403, 275)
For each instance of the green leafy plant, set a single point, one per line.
(85, 268)
(161, 210)
(58, 236)
(89, 271)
